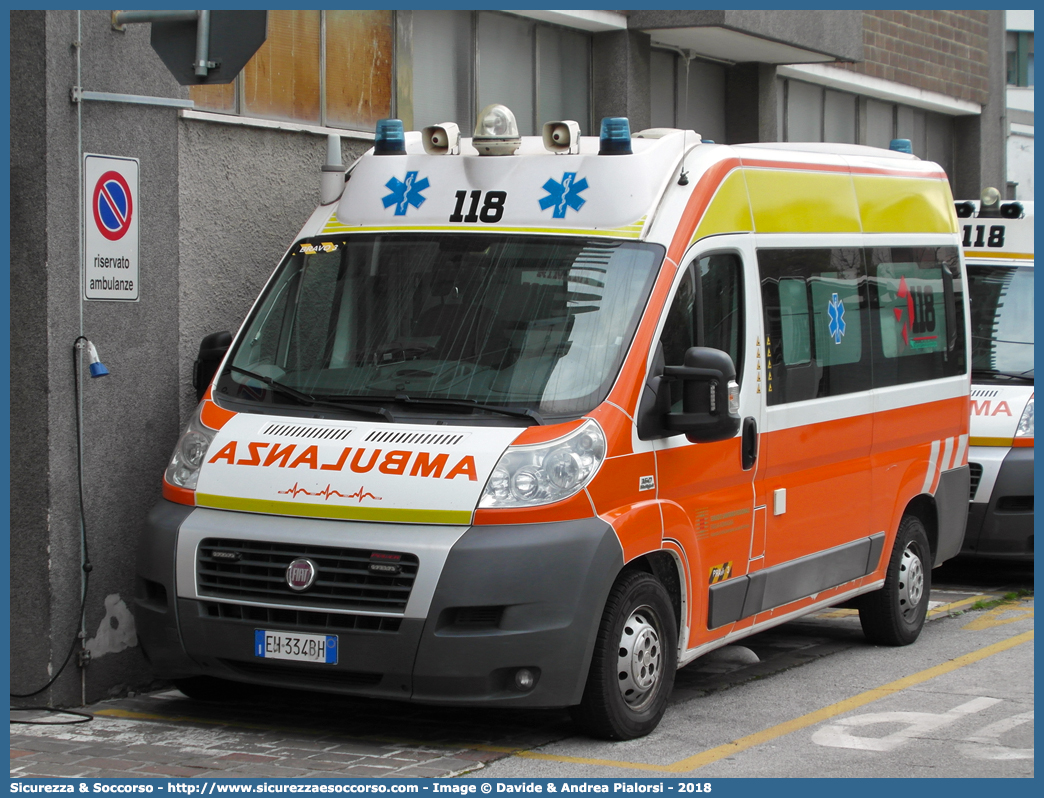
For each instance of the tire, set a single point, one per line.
(894, 615)
(210, 688)
(626, 696)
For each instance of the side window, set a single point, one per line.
(707, 311)
(793, 321)
(816, 334)
(679, 331)
(721, 295)
(915, 294)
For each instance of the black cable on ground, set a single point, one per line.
(84, 717)
(86, 561)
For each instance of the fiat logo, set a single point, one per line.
(301, 574)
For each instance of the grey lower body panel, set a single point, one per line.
(748, 595)
(951, 506)
(500, 598)
(1002, 527)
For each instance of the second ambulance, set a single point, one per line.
(998, 248)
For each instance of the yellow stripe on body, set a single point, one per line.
(994, 254)
(729, 211)
(904, 205)
(633, 230)
(791, 201)
(1007, 442)
(337, 511)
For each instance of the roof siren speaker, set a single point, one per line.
(562, 137)
(441, 139)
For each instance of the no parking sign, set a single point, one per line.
(110, 224)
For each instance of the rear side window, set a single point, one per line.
(845, 319)
(915, 293)
(816, 333)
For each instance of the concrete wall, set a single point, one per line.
(218, 205)
(245, 192)
(30, 491)
(127, 414)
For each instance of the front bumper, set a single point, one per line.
(487, 601)
(1000, 522)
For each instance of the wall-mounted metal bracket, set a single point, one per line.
(78, 95)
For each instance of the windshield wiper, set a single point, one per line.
(467, 404)
(1025, 375)
(307, 399)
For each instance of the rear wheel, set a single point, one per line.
(894, 615)
(635, 658)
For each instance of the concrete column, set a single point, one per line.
(751, 104)
(31, 605)
(980, 145)
(620, 85)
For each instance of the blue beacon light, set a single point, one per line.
(901, 145)
(615, 137)
(389, 138)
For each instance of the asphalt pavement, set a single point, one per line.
(810, 698)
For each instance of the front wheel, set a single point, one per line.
(635, 658)
(894, 615)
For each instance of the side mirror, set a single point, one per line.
(710, 396)
(212, 350)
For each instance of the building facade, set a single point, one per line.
(1019, 77)
(228, 173)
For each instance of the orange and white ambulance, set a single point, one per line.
(998, 249)
(534, 422)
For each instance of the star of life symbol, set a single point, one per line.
(836, 312)
(563, 195)
(405, 193)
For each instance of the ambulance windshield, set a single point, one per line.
(515, 325)
(1001, 299)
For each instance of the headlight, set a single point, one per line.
(183, 470)
(527, 476)
(1025, 429)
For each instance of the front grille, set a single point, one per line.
(301, 620)
(315, 674)
(976, 476)
(251, 570)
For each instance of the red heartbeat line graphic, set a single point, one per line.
(327, 492)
